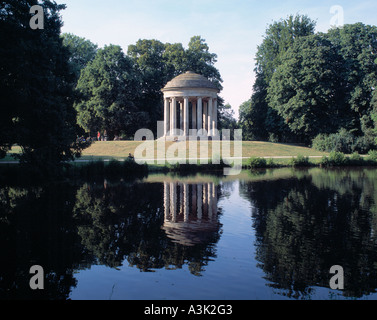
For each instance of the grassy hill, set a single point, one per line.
(120, 150)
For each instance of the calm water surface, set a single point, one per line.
(270, 234)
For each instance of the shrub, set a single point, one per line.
(270, 163)
(343, 141)
(335, 159)
(355, 159)
(254, 163)
(363, 144)
(300, 161)
(372, 157)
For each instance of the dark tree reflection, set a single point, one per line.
(37, 228)
(314, 220)
(66, 228)
(129, 222)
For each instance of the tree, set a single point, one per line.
(245, 120)
(35, 93)
(307, 88)
(81, 50)
(278, 38)
(151, 67)
(226, 118)
(109, 88)
(358, 46)
(200, 60)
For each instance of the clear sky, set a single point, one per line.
(232, 28)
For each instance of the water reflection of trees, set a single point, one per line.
(125, 222)
(36, 227)
(306, 224)
(66, 228)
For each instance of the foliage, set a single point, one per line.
(257, 119)
(35, 87)
(255, 163)
(343, 141)
(372, 156)
(306, 90)
(357, 44)
(335, 159)
(226, 119)
(108, 88)
(300, 161)
(81, 51)
(309, 84)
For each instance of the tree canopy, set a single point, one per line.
(35, 92)
(108, 88)
(310, 83)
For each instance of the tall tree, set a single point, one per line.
(200, 60)
(307, 89)
(81, 50)
(358, 45)
(150, 64)
(278, 38)
(109, 88)
(35, 93)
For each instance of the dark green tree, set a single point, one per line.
(81, 50)
(151, 67)
(358, 45)
(109, 89)
(35, 93)
(226, 118)
(279, 36)
(307, 89)
(200, 60)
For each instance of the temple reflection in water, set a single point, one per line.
(190, 212)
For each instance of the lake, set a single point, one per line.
(262, 235)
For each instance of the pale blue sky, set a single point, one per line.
(232, 28)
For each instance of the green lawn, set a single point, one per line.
(121, 149)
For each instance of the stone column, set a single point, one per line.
(205, 119)
(186, 117)
(193, 125)
(214, 119)
(166, 117)
(180, 115)
(199, 114)
(173, 113)
(210, 114)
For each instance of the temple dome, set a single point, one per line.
(190, 80)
